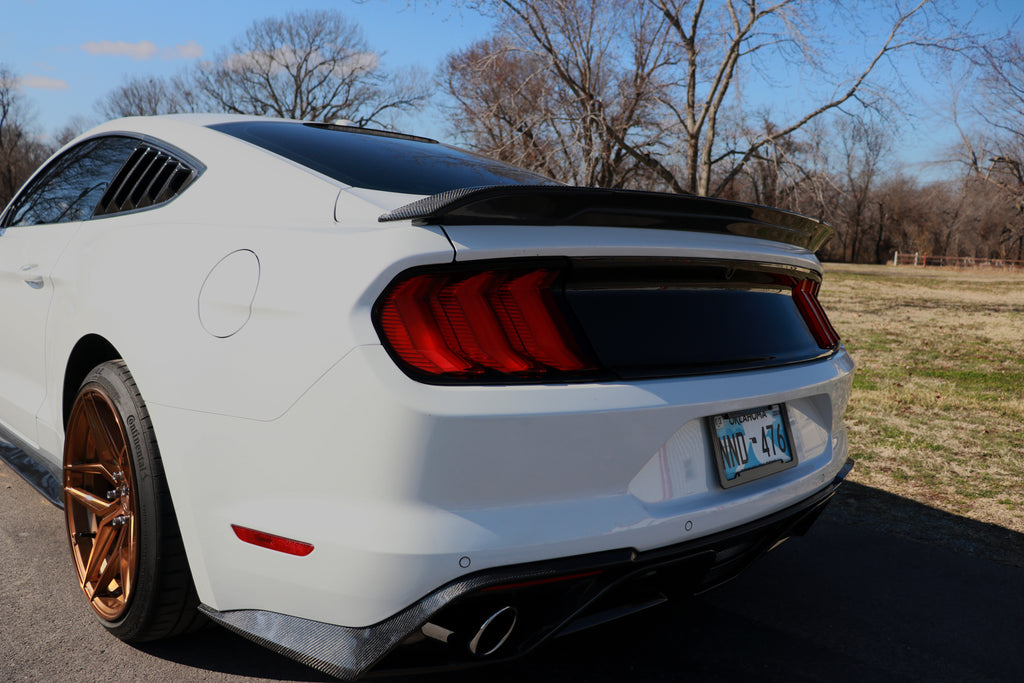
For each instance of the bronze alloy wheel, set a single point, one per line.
(100, 503)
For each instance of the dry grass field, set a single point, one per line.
(937, 413)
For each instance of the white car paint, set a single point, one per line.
(243, 309)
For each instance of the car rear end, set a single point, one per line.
(583, 413)
(505, 411)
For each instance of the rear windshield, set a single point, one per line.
(379, 161)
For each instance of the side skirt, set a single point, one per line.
(32, 467)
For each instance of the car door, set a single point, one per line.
(35, 230)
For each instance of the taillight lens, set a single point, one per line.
(479, 325)
(805, 294)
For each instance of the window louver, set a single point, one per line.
(149, 177)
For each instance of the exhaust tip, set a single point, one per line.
(493, 633)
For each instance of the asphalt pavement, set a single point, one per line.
(848, 602)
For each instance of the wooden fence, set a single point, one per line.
(919, 259)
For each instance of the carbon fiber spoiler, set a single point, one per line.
(562, 205)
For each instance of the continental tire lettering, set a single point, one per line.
(136, 437)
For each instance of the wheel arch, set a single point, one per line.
(88, 352)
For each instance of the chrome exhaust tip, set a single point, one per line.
(493, 633)
(487, 639)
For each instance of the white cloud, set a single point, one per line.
(144, 49)
(42, 83)
(190, 50)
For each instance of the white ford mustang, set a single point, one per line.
(365, 398)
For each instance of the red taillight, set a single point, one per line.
(475, 328)
(279, 543)
(805, 294)
(414, 331)
(469, 324)
(540, 582)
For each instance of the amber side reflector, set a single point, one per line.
(279, 543)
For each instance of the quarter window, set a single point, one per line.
(71, 186)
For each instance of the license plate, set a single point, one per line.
(750, 444)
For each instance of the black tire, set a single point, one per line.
(122, 530)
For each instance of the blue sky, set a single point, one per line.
(70, 53)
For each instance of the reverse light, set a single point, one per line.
(467, 325)
(805, 295)
(272, 542)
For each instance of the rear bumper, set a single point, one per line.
(404, 487)
(552, 598)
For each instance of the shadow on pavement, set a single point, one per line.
(854, 600)
(216, 649)
(865, 506)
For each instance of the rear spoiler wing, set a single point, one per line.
(588, 206)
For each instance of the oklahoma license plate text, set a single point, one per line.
(750, 444)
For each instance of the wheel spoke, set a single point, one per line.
(106, 537)
(90, 590)
(111, 570)
(97, 468)
(98, 506)
(127, 553)
(106, 443)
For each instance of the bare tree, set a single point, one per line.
(905, 209)
(831, 169)
(149, 96)
(566, 87)
(687, 58)
(510, 104)
(746, 29)
(862, 148)
(20, 150)
(503, 105)
(313, 65)
(996, 155)
(75, 126)
(783, 172)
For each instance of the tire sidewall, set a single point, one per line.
(114, 379)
